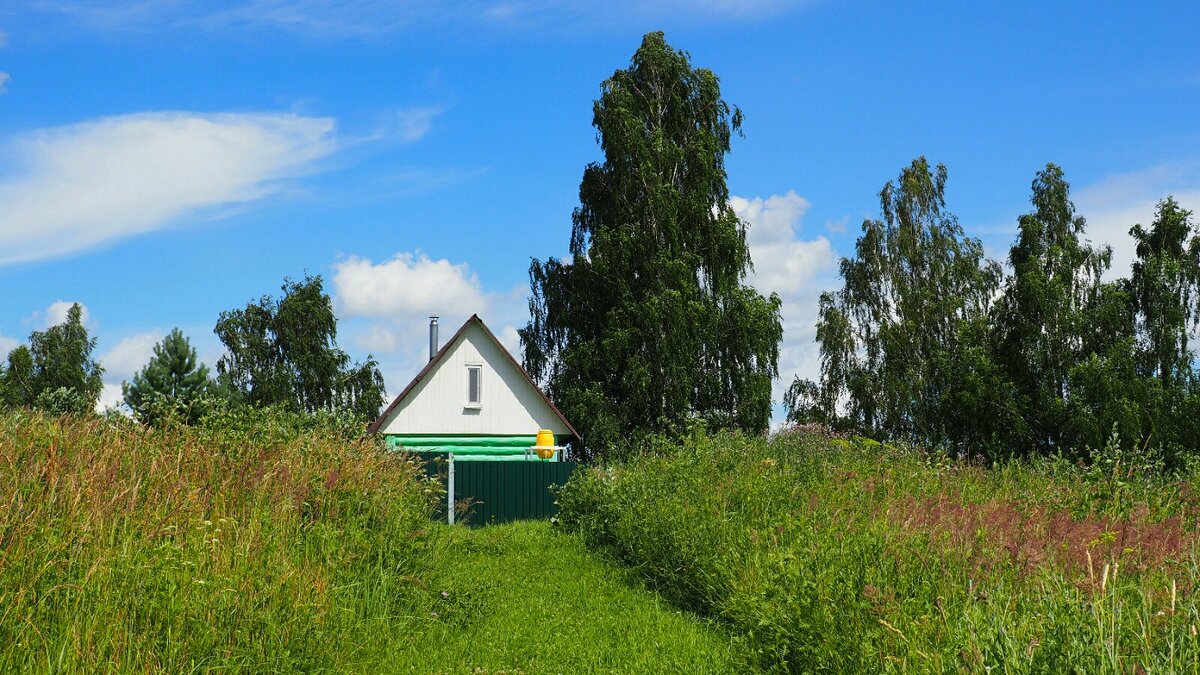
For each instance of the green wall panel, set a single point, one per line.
(499, 492)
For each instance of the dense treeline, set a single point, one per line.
(930, 342)
(279, 353)
(648, 326)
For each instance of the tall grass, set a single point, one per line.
(255, 547)
(267, 542)
(826, 555)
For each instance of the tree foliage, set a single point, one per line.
(1041, 321)
(56, 371)
(172, 381)
(918, 345)
(17, 378)
(1165, 284)
(648, 325)
(892, 337)
(284, 353)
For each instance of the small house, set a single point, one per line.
(473, 399)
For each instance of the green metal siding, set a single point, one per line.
(503, 492)
(500, 492)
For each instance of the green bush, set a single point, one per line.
(829, 555)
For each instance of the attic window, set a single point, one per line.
(474, 386)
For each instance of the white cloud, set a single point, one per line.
(378, 339)
(838, 226)
(413, 124)
(5, 78)
(384, 308)
(130, 355)
(324, 18)
(110, 397)
(800, 269)
(502, 11)
(1110, 206)
(7, 344)
(87, 184)
(407, 339)
(1119, 190)
(132, 352)
(408, 284)
(401, 344)
(797, 269)
(1117, 203)
(585, 14)
(511, 340)
(56, 314)
(724, 9)
(772, 220)
(120, 363)
(783, 262)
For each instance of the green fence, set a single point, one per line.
(499, 492)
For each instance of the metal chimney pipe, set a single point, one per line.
(433, 337)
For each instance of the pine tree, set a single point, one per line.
(171, 381)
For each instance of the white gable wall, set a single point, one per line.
(438, 403)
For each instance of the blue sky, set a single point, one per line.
(163, 161)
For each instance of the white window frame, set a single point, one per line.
(474, 405)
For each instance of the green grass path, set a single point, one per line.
(523, 598)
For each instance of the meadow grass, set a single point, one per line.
(827, 555)
(270, 544)
(124, 548)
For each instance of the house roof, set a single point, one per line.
(378, 423)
